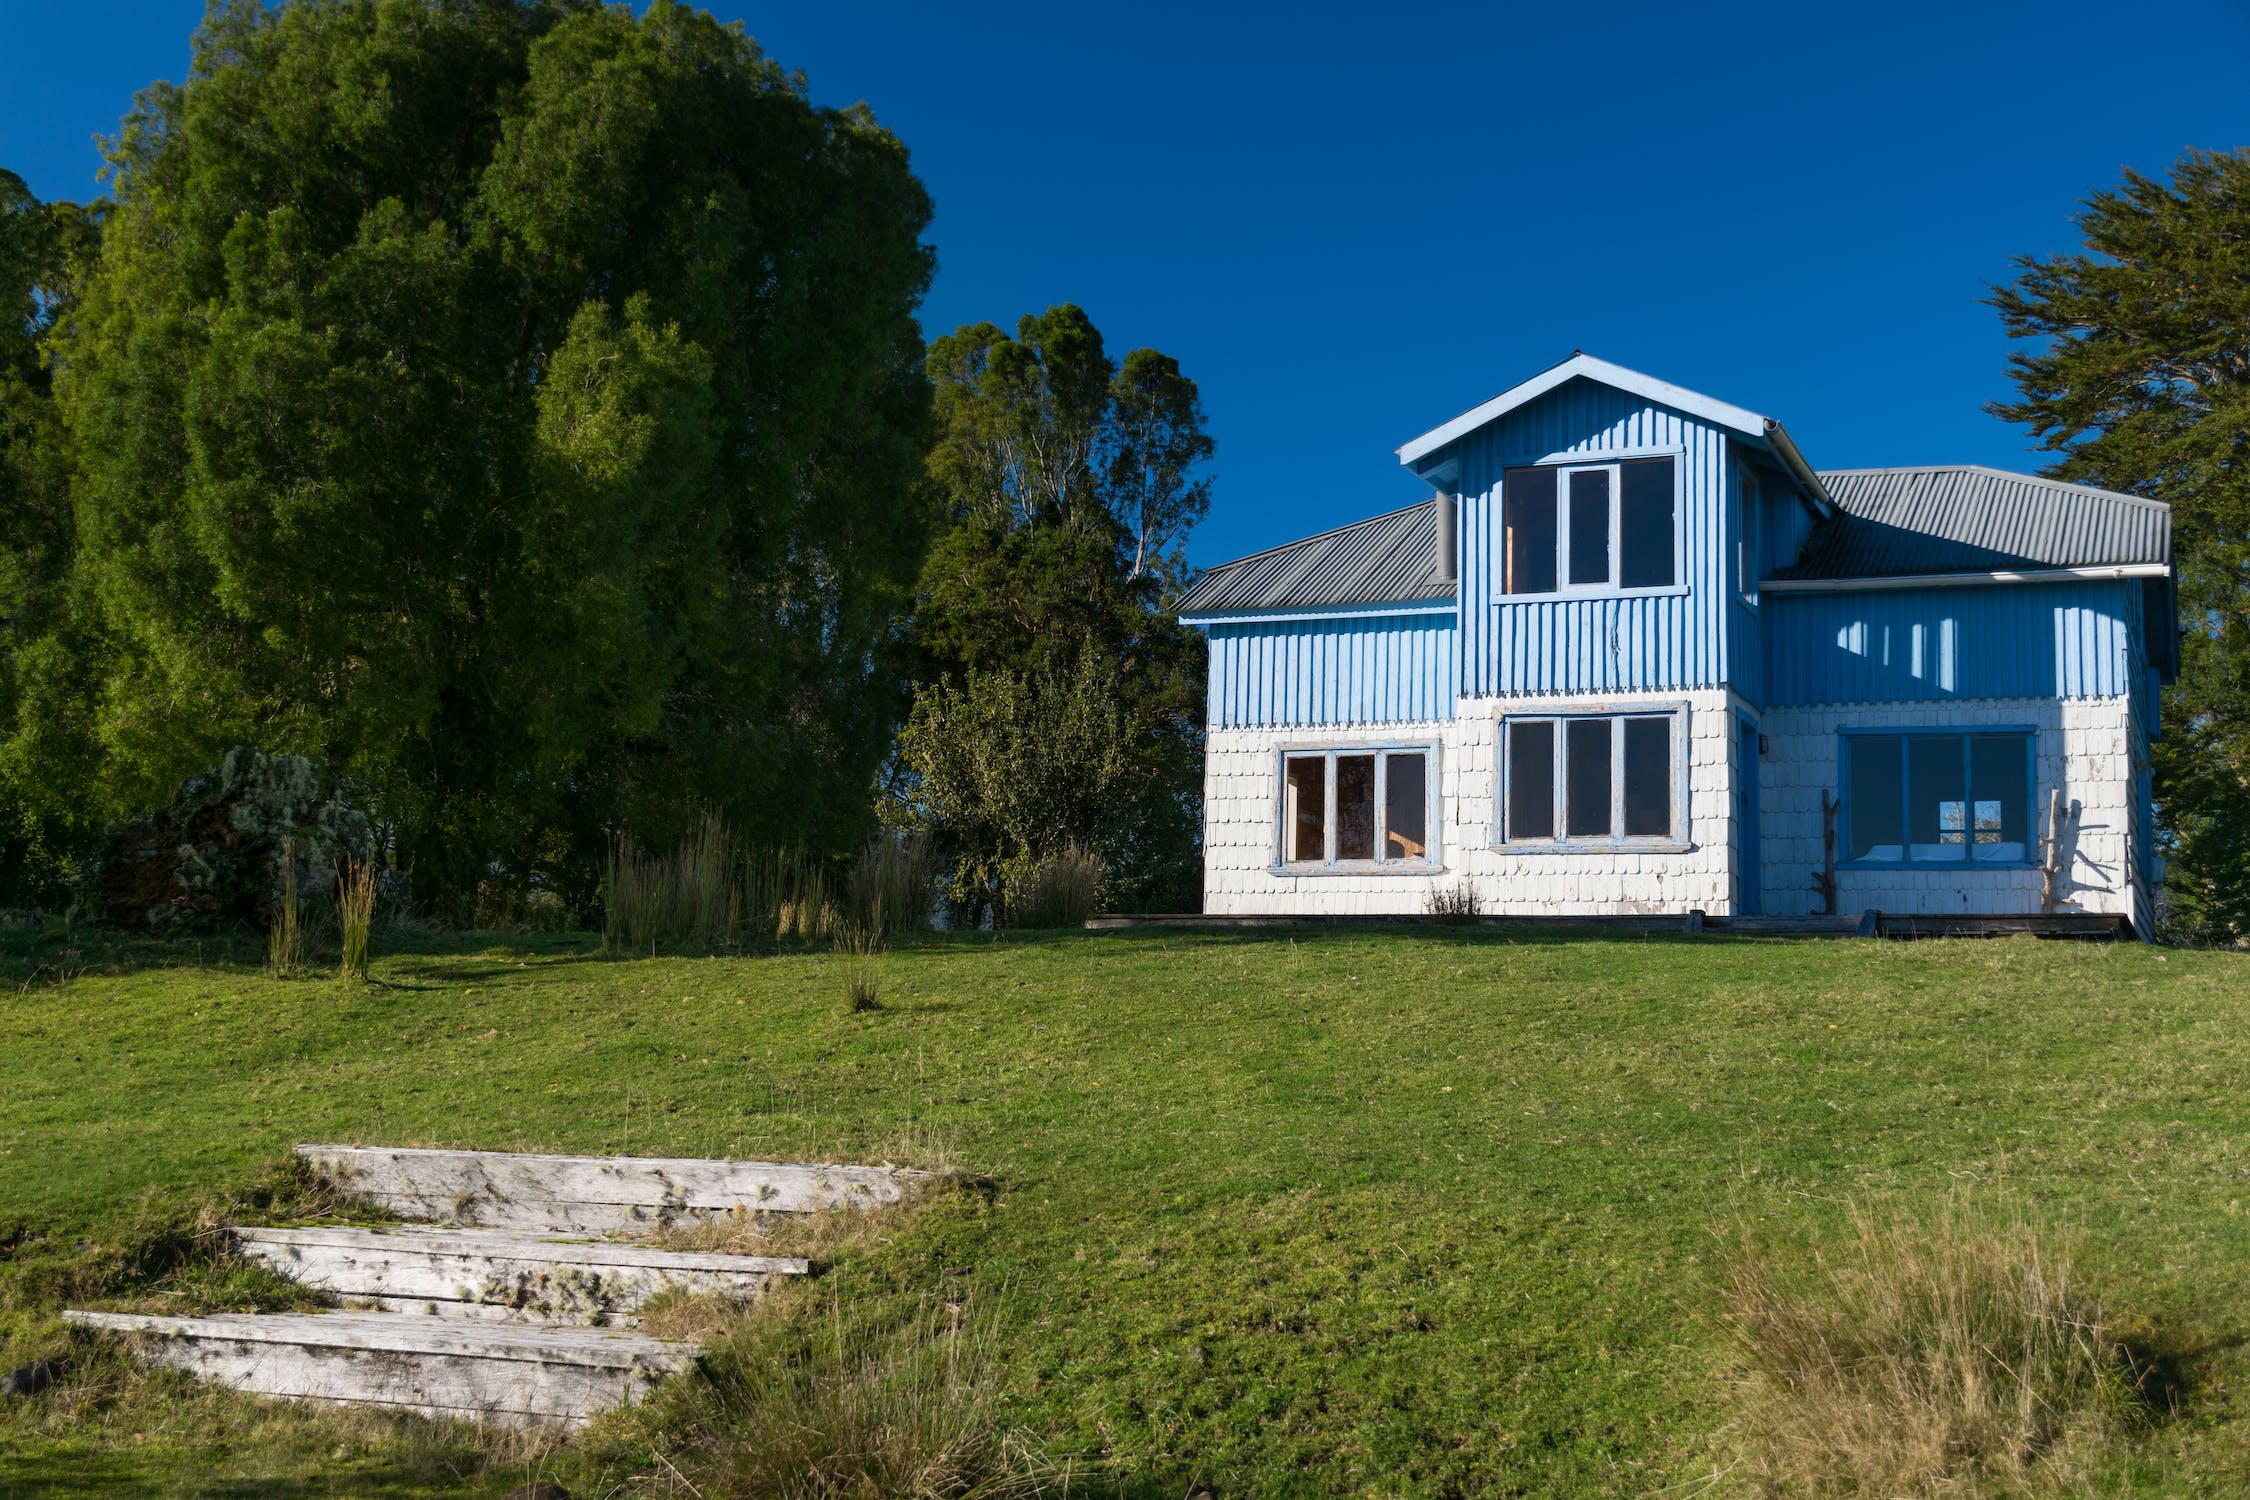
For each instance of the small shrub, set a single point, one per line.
(1956, 1354)
(1057, 891)
(1458, 902)
(355, 913)
(285, 935)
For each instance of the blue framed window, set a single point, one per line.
(1938, 796)
(1352, 808)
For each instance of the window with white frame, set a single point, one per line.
(1938, 797)
(1584, 528)
(1749, 536)
(1592, 780)
(1357, 806)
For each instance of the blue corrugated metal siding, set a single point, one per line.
(1372, 669)
(2068, 640)
(1592, 645)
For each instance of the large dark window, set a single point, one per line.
(1355, 806)
(1644, 524)
(1597, 777)
(1589, 527)
(1938, 798)
(1531, 779)
(1528, 501)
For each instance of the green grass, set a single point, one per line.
(1411, 1212)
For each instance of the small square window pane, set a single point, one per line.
(1531, 779)
(1406, 807)
(1648, 778)
(1644, 524)
(1937, 795)
(1529, 518)
(1355, 807)
(1587, 785)
(1306, 816)
(1589, 526)
(1872, 809)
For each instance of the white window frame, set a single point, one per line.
(1678, 841)
(1431, 861)
(1564, 467)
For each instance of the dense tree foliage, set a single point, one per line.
(1071, 482)
(513, 405)
(2142, 382)
(43, 250)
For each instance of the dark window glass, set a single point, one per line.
(1648, 778)
(1529, 499)
(1531, 780)
(1307, 812)
(1644, 529)
(2000, 789)
(1878, 822)
(1406, 807)
(1355, 807)
(1937, 800)
(1587, 782)
(1589, 526)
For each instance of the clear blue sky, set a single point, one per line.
(1350, 224)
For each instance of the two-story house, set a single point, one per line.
(1637, 655)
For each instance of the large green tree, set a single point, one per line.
(516, 406)
(2141, 381)
(1071, 481)
(44, 248)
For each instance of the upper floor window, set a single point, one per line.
(1749, 536)
(1356, 807)
(1928, 797)
(1583, 528)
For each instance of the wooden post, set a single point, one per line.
(1825, 881)
(2050, 854)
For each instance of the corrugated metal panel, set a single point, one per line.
(2067, 640)
(1383, 560)
(1371, 669)
(1593, 645)
(1966, 518)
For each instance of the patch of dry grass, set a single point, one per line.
(1958, 1353)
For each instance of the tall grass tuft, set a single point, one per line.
(285, 936)
(355, 913)
(1457, 903)
(818, 1402)
(692, 896)
(1952, 1354)
(861, 944)
(1058, 891)
(893, 884)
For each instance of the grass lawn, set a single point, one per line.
(1386, 1212)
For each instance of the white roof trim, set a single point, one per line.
(1954, 580)
(1662, 392)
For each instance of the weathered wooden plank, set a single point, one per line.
(596, 1193)
(532, 1276)
(492, 1372)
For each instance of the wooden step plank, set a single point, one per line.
(475, 1312)
(530, 1276)
(499, 1373)
(602, 1194)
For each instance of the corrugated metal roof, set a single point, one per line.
(1965, 518)
(1388, 558)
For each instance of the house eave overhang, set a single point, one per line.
(2094, 573)
(1288, 613)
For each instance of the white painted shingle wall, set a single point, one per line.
(2087, 746)
(1240, 810)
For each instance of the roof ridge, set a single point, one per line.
(2066, 484)
(1250, 557)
